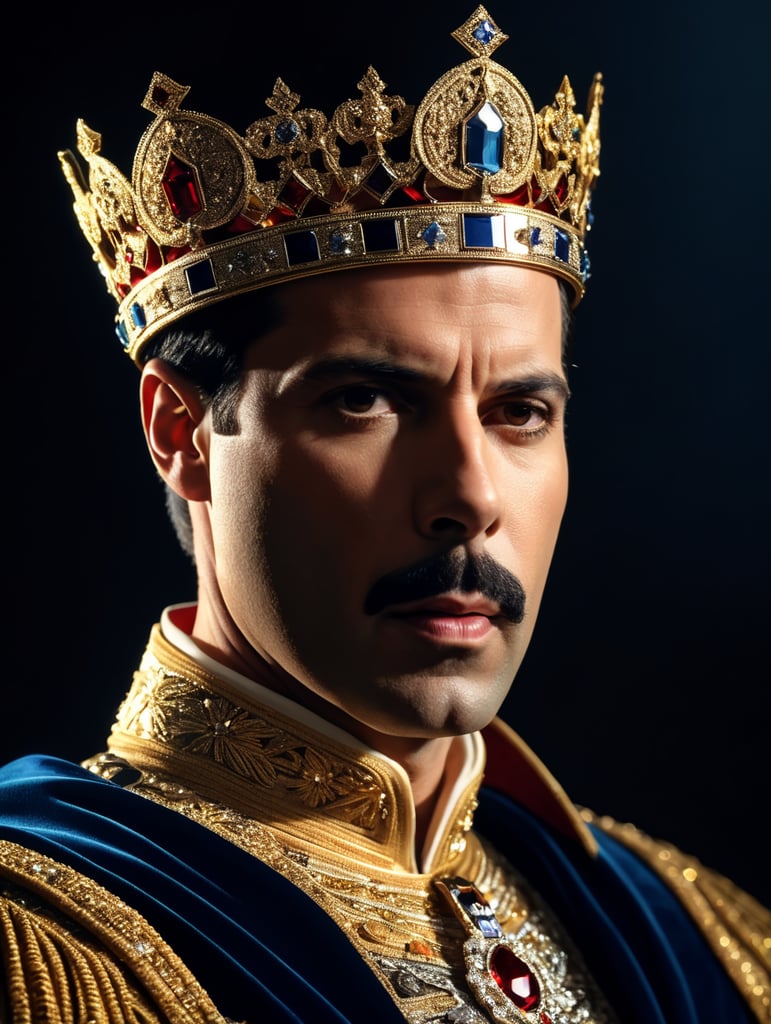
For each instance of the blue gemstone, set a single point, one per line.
(434, 233)
(381, 236)
(379, 181)
(479, 911)
(489, 927)
(200, 277)
(485, 32)
(484, 140)
(482, 231)
(589, 213)
(122, 333)
(562, 245)
(287, 131)
(535, 236)
(138, 315)
(585, 266)
(340, 243)
(301, 247)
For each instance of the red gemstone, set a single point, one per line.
(519, 198)
(514, 978)
(160, 96)
(174, 254)
(153, 258)
(294, 195)
(278, 215)
(545, 1018)
(181, 188)
(335, 194)
(414, 194)
(240, 225)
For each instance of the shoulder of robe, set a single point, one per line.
(736, 926)
(74, 951)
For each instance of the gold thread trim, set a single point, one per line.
(736, 926)
(121, 929)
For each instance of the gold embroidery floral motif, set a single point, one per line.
(169, 708)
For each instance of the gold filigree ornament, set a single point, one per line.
(211, 214)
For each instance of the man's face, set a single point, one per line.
(395, 416)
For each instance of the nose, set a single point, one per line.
(457, 496)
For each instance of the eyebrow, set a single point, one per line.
(536, 382)
(333, 366)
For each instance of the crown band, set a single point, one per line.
(210, 214)
(446, 231)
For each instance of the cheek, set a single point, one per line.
(551, 500)
(318, 514)
(555, 493)
(535, 510)
(332, 490)
(240, 483)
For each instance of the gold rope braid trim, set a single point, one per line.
(118, 970)
(55, 976)
(736, 926)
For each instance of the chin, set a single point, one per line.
(446, 708)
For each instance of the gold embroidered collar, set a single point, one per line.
(235, 743)
(212, 735)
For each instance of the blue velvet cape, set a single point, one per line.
(264, 951)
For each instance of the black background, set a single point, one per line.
(646, 687)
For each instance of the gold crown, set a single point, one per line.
(484, 178)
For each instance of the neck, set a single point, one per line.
(426, 763)
(424, 760)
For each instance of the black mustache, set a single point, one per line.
(451, 570)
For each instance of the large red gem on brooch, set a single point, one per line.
(514, 978)
(500, 980)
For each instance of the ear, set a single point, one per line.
(173, 421)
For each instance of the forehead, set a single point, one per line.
(425, 316)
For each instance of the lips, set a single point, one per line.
(447, 605)
(448, 618)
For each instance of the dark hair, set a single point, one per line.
(209, 349)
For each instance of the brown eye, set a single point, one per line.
(358, 399)
(363, 401)
(519, 414)
(527, 417)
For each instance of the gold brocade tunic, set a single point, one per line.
(341, 827)
(337, 820)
